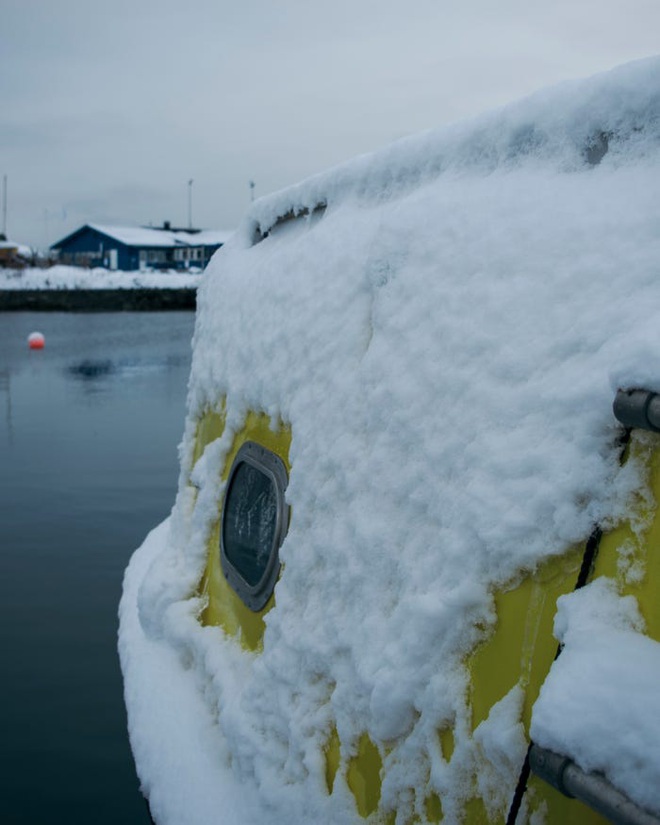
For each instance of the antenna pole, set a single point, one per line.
(190, 183)
(4, 205)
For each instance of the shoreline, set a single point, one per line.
(137, 299)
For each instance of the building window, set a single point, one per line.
(255, 519)
(88, 259)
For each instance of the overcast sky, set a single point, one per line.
(110, 108)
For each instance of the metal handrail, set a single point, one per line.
(592, 789)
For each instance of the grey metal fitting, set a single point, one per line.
(638, 409)
(550, 767)
(590, 788)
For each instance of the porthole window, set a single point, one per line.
(254, 523)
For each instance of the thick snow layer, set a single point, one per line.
(563, 127)
(72, 277)
(155, 237)
(445, 340)
(173, 715)
(600, 704)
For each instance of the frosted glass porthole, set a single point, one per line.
(254, 523)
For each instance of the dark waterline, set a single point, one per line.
(88, 465)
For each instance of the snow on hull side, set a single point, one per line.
(430, 341)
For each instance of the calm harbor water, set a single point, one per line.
(89, 429)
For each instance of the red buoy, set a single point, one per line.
(36, 340)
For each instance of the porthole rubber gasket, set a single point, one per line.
(271, 465)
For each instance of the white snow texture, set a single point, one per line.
(445, 339)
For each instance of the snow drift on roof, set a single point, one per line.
(568, 126)
(148, 237)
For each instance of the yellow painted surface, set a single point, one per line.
(363, 776)
(447, 743)
(522, 646)
(623, 546)
(475, 812)
(560, 810)
(433, 808)
(520, 649)
(224, 608)
(332, 757)
(210, 426)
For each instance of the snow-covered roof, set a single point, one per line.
(444, 339)
(210, 237)
(137, 235)
(153, 237)
(21, 249)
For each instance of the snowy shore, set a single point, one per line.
(72, 289)
(71, 277)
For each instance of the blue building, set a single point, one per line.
(136, 247)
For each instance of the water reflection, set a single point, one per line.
(90, 370)
(89, 429)
(5, 387)
(97, 375)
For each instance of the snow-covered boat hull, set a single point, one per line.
(402, 486)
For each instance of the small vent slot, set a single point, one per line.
(597, 148)
(315, 212)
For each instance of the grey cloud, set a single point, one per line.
(145, 94)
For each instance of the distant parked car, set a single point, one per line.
(14, 255)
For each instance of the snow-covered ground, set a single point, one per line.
(445, 341)
(71, 277)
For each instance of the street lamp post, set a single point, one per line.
(4, 206)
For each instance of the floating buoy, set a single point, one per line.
(36, 340)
